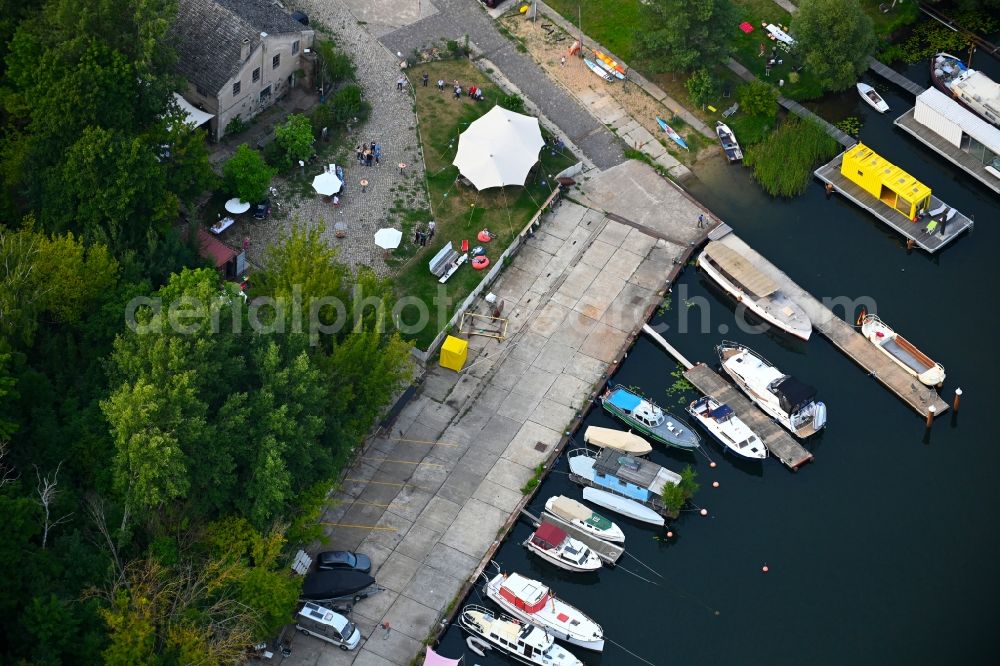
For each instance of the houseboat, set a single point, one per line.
(743, 281)
(636, 480)
(969, 87)
(647, 417)
(521, 641)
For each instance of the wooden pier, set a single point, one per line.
(916, 231)
(892, 75)
(778, 441)
(956, 156)
(607, 551)
(846, 338)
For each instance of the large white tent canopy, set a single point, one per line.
(499, 149)
(194, 116)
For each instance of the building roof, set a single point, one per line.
(865, 160)
(214, 249)
(210, 34)
(971, 124)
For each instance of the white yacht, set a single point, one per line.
(722, 423)
(782, 397)
(553, 544)
(531, 601)
(970, 88)
(579, 515)
(523, 642)
(741, 279)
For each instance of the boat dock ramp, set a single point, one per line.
(889, 73)
(929, 241)
(607, 551)
(846, 338)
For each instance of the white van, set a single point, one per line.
(331, 627)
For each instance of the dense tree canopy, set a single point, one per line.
(683, 35)
(835, 37)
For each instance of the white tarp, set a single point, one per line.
(388, 239)
(499, 149)
(195, 117)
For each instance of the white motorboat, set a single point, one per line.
(970, 88)
(551, 543)
(580, 515)
(523, 642)
(722, 423)
(531, 601)
(790, 402)
(872, 97)
(730, 146)
(623, 505)
(742, 280)
(902, 351)
(617, 439)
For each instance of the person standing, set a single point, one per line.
(701, 221)
(441, 85)
(424, 79)
(562, 61)
(430, 229)
(358, 153)
(399, 83)
(378, 152)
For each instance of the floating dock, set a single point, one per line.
(889, 73)
(916, 231)
(778, 441)
(607, 551)
(846, 338)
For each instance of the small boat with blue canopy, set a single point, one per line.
(649, 419)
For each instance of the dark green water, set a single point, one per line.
(884, 550)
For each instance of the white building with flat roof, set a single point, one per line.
(960, 127)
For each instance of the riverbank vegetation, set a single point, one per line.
(674, 496)
(783, 164)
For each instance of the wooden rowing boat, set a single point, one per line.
(903, 352)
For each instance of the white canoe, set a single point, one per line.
(872, 97)
(581, 516)
(622, 505)
(616, 439)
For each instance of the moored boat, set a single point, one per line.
(531, 601)
(748, 285)
(647, 417)
(596, 69)
(790, 402)
(730, 146)
(728, 429)
(634, 484)
(616, 439)
(623, 505)
(871, 96)
(580, 515)
(610, 65)
(522, 641)
(674, 136)
(902, 351)
(970, 88)
(551, 543)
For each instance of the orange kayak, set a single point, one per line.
(608, 61)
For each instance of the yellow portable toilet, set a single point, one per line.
(885, 181)
(454, 351)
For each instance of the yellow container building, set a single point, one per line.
(885, 181)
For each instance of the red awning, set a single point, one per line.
(550, 533)
(214, 249)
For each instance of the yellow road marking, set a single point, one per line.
(390, 483)
(421, 441)
(403, 462)
(362, 527)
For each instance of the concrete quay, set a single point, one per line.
(429, 499)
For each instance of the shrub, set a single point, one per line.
(247, 175)
(758, 99)
(513, 103)
(702, 87)
(295, 138)
(783, 164)
(236, 126)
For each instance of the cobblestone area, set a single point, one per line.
(392, 123)
(457, 18)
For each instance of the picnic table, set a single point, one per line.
(222, 225)
(780, 35)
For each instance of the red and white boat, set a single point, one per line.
(553, 544)
(531, 601)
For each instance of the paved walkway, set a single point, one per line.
(429, 499)
(457, 18)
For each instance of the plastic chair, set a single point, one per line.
(465, 245)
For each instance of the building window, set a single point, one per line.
(295, 47)
(276, 61)
(256, 75)
(236, 89)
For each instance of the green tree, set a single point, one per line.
(758, 99)
(295, 137)
(836, 37)
(701, 86)
(247, 175)
(683, 35)
(336, 66)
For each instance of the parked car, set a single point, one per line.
(325, 624)
(262, 210)
(343, 560)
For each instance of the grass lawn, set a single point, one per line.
(613, 24)
(460, 211)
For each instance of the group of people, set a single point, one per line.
(474, 92)
(367, 154)
(422, 237)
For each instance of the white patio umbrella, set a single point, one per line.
(236, 206)
(499, 149)
(327, 183)
(388, 239)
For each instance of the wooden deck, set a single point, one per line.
(889, 73)
(845, 337)
(607, 551)
(956, 156)
(778, 441)
(929, 242)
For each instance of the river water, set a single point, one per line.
(884, 549)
